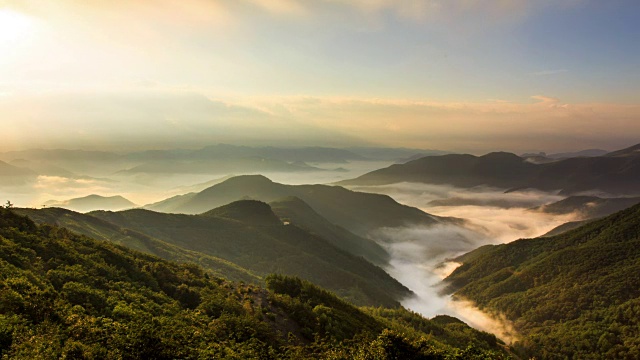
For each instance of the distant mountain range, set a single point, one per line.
(93, 202)
(394, 154)
(574, 295)
(566, 155)
(221, 159)
(588, 207)
(11, 175)
(355, 211)
(615, 173)
(218, 166)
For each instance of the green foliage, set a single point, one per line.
(267, 246)
(103, 230)
(574, 295)
(299, 213)
(355, 211)
(240, 241)
(66, 296)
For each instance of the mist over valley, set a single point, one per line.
(327, 179)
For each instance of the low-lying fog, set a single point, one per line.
(143, 189)
(421, 255)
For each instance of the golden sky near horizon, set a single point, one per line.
(461, 75)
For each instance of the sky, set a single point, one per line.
(458, 75)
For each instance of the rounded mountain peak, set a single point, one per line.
(247, 211)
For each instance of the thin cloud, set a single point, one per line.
(549, 72)
(545, 99)
(282, 7)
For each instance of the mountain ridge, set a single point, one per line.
(355, 211)
(93, 202)
(265, 247)
(616, 173)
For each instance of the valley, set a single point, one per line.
(319, 179)
(390, 245)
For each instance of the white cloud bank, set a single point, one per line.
(422, 256)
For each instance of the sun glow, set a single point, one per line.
(14, 27)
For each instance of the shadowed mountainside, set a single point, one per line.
(299, 213)
(588, 207)
(249, 234)
(614, 173)
(355, 211)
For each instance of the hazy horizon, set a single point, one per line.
(124, 150)
(462, 76)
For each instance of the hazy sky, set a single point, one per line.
(462, 75)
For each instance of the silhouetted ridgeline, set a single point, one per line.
(615, 173)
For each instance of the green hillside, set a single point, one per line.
(575, 295)
(250, 212)
(299, 213)
(67, 296)
(103, 230)
(249, 234)
(355, 211)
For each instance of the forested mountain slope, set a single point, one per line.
(64, 295)
(355, 211)
(99, 229)
(299, 213)
(574, 295)
(249, 234)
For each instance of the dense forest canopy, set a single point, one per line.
(574, 295)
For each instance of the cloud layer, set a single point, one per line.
(422, 256)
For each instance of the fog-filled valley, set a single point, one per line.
(389, 245)
(421, 257)
(319, 179)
